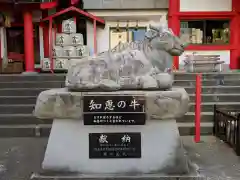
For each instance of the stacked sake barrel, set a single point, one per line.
(69, 46)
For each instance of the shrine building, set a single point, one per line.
(28, 28)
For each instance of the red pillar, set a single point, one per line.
(235, 41)
(51, 43)
(174, 23)
(28, 41)
(59, 28)
(59, 25)
(198, 102)
(235, 36)
(45, 35)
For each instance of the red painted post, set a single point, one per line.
(45, 35)
(28, 42)
(50, 43)
(174, 24)
(55, 31)
(59, 28)
(198, 101)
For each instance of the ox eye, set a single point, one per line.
(164, 35)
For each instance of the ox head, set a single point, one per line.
(162, 38)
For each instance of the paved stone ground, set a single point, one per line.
(20, 157)
(213, 158)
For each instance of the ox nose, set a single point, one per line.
(183, 45)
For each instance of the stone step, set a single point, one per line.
(34, 78)
(32, 84)
(190, 90)
(43, 130)
(192, 76)
(16, 108)
(61, 77)
(233, 82)
(190, 117)
(188, 129)
(59, 84)
(21, 91)
(217, 97)
(208, 106)
(214, 89)
(5, 100)
(21, 119)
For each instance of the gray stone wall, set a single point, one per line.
(125, 4)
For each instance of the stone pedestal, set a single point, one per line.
(68, 150)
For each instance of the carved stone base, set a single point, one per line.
(162, 150)
(58, 176)
(62, 104)
(153, 148)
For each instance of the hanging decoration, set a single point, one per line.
(117, 27)
(7, 22)
(127, 26)
(136, 28)
(2, 18)
(128, 32)
(5, 19)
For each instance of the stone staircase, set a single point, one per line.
(222, 90)
(18, 97)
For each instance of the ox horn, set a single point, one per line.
(153, 27)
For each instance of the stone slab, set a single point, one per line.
(63, 39)
(58, 63)
(97, 177)
(62, 104)
(69, 26)
(70, 51)
(162, 150)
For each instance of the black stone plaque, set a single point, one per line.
(114, 110)
(114, 145)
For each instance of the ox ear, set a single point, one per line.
(151, 34)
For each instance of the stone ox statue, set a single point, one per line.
(137, 65)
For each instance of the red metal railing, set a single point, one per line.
(198, 101)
